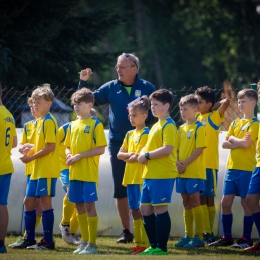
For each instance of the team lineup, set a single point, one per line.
(149, 157)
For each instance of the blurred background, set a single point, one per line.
(181, 44)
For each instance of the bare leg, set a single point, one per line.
(124, 212)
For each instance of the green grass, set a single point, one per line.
(108, 249)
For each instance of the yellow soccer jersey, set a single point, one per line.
(258, 149)
(163, 133)
(62, 137)
(240, 158)
(28, 136)
(46, 132)
(191, 137)
(82, 136)
(134, 142)
(212, 122)
(7, 133)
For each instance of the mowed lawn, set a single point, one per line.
(109, 249)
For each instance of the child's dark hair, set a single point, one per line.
(207, 94)
(82, 95)
(250, 93)
(189, 100)
(143, 105)
(163, 95)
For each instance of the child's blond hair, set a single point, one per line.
(189, 100)
(43, 92)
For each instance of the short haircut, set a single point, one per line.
(82, 95)
(250, 93)
(189, 100)
(131, 57)
(142, 105)
(29, 101)
(163, 95)
(207, 94)
(43, 92)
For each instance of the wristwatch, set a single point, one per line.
(147, 156)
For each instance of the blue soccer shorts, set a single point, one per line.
(157, 192)
(189, 186)
(254, 185)
(41, 187)
(134, 195)
(210, 183)
(65, 179)
(237, 183)
(82, 191)
(5, 182)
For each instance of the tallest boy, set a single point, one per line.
(118, 94)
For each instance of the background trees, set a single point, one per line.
(179, 43)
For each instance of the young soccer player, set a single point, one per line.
(159, 157)
(46, 171)
(85, 142)
(241, 140)
(253, 194)
(212, 122)
(133, 143)
(27, 141)
(192, 171)
(69, 222)
(8, 141)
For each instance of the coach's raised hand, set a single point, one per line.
(85, 74)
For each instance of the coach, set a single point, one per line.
(118, 94)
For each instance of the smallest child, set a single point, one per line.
(133, 143)
(192, 171)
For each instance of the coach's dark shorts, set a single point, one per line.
(118, 169)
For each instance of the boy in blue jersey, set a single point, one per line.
(212, 121)
(8, 141)
(159, 157)
(192, 171)
(241, 139)
(46, 170)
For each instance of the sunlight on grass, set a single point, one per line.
(109, 249)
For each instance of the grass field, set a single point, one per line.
(108, 249)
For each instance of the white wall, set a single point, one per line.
(109, 221)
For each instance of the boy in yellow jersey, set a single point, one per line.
(28, 136)
(159, 157)
(69, 223)
(8, 141)
(253, 194)
(241, 139)
(133, 143)
(85, 142)
(46, 170)
(192, 171)
(212, 122)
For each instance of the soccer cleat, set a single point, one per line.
(184, 240)
(126, 237)
(195, 242)
(3, 249)
(82, 246)
(24, 244)
(17, 242)
(90, 249)
(76, 240)
(147, 251)
(208, 238)
(222, 242)
(255, 248)
(242, 243)
(138, 249)
(65, 233)
(42, 245)
(159, 251)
